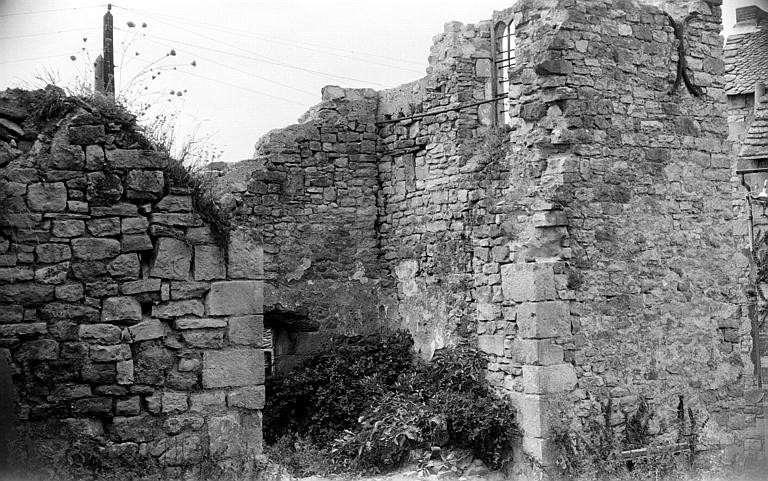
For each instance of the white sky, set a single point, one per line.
(260, 63)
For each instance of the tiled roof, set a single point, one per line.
(746, 61)
(755, 145)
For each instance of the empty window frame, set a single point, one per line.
(504, 59)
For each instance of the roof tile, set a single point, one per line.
(746, 59)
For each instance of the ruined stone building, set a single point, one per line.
(558, 190)
(580, 231)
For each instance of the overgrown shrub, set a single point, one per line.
(378, 405)
(300, 456)
(329, 393)
(385, 434)
(593, 449)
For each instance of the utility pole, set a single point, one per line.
(108, 73)
(98, 74)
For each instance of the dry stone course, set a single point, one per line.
(105, 274)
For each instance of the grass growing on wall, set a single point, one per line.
(187, 160)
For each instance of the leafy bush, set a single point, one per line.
(378, 405)
(482, 423)
(329, 393)
(385, 436)
(590, 449)
(300, 456)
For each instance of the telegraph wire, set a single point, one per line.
(272, 39)
(50, 33)
(187, 72)
(36, 58)
(267, 60)
(250, 74)
(235, 31)
(35, 12)
(440, 111)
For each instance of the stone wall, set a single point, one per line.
(587, 247)
(310, 193)
(431, 171)
(349, 203)
(603, 264)
(131, 333)
(741, 112)
(643, 178)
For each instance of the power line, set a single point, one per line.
(49, 33)
(250, 74)
(235, 31)
(35, 12)
(241, 87)
(275, 40)
(34, 58)
(259, 58)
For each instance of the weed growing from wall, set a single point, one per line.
(489, 148)
(187, 160)
(594, 448)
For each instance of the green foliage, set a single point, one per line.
(377, 405)
(200, 184)
(590, 449)
(329, 393)
(299, 455)
(458, 369)
(50, 103)
(385, 434)
(482, 423)
(490, 147)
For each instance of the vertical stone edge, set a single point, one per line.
(237, 371)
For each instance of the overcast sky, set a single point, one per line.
(259, 64)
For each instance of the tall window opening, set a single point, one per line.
(504, 59)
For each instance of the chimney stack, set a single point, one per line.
(750, 16)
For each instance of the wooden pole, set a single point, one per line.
(98, 74)
(109, 54)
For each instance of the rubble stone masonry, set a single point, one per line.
(586, 246)
(130, 332)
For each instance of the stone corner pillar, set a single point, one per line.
(542, 318)
(237, 371)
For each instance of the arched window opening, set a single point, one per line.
(504, 59)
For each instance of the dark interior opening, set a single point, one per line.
(290, 338)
